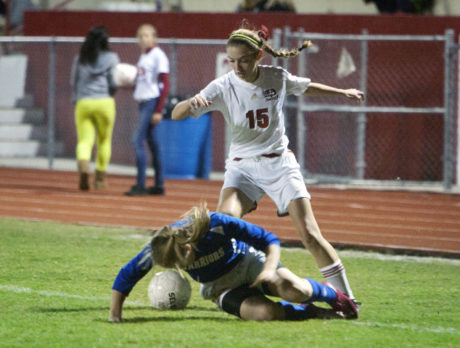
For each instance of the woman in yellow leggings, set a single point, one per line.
(93, 88)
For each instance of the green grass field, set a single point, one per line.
(55, 284)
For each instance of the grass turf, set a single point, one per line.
(55, 285)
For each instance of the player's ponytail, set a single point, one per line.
(257, 40)
(168, 242)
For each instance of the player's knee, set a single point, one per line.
(294, 291)
(231, 300)
(228, 212)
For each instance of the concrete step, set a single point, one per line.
(27, 149)
(19, 115)
(22, 132)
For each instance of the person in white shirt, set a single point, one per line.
(151, 92)
(251, 98)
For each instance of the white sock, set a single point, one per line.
(336, 276)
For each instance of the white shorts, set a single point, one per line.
(279, 177)
(245, 272)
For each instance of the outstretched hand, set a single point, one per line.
(198, 101)
(355, 94)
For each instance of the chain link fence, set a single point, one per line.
(404, 133)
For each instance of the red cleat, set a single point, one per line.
(344, 304)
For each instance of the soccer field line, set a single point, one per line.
(355, 254)
(17, 289)
(450, 330)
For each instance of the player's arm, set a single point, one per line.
(163, 80)
(268, 273)
(321, 90)
(116, 306)
(187, 107)
(256, 237)
(126, 279)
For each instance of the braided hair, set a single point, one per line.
(258, 40)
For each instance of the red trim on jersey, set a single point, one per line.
(163, 78)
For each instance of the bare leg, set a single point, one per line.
(261, 308)
(234, 202)
(324, 253)
(291, 288)
(305, 223)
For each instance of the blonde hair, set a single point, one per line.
(168, 242)
(258, 40)
(149, 27)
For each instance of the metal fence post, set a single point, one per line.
(301, 116)
(277, 33)
(173, 68)
(449, 55)
(286, 37)
(361, 120)
(51, 101)
(457, 181)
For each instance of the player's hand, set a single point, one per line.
(354, 94)
(156, 118)
(198, 101)
(266, 276)
(114, 318)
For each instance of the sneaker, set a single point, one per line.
(344, 304)
(155, 190)
(137, 190)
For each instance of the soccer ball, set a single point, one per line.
(124, 74)
(168, 290)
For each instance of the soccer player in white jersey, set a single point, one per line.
(151, 92)
(251, 98)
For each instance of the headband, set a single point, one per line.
(254, 41)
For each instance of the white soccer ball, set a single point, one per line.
(124, 74)
(168, 290)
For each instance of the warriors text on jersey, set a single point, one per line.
(227, 240)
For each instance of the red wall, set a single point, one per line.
(402, 154)
(219, 25)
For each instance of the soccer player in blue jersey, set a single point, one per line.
(237, 264)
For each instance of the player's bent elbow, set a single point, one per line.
(180, 111)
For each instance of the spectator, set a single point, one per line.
(266, 5)
(151, 91)
(405, 6)
(93, 88)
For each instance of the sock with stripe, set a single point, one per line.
(336, 276)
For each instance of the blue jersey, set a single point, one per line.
(221, 248)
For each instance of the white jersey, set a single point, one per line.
(150, 65)
(254, 111)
